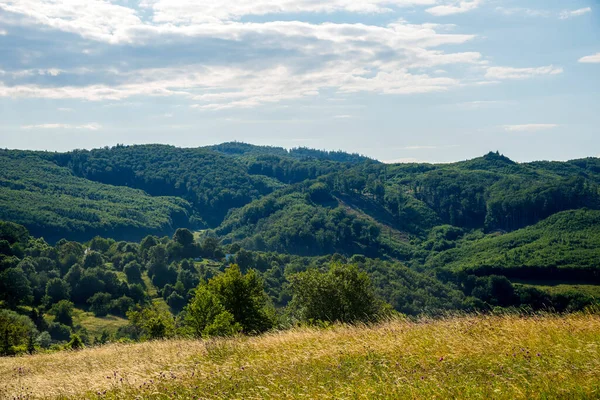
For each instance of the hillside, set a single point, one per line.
(54, 203)
(488, 215)
(299, 201)
(564, 246)
(499, 357)
(309, 221)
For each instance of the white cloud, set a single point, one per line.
(127, 28)
(454, 8)
(91, 127)
(521, 73)
(529, 127)
(594, 58)
(33, 72)
(477, 104)
(3, 32)
(304, 59)
(65, 109)
(344, 57)
(104, 21)
(97, 19)
(238, 90)
(528, 12)
(51, 72)
(227, 87)
(574, 13)
(206, 11)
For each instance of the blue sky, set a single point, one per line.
(398, 80)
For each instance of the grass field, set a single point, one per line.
(478, 357)
(95, 325)
(561, 287)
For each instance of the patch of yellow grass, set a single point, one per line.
(504, 357)
(95, 325)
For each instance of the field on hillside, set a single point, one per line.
(483, 357)
(96, 325)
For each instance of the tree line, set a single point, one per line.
(199, 286)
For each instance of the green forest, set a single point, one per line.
(133, 243)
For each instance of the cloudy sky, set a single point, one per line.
(398, 80)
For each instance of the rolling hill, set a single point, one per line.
(300, 201)
(52, 202)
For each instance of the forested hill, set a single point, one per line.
(149, 229)
(300, 201)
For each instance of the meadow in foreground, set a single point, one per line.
(503, 357)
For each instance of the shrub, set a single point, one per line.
(344, 294)
(205, 316)
(59, 332)
(133, 272)
(121, 305)
(57, 290)
(100, 304)
(138, 294)
(63, 312)
(15, 288)
(176, 301)
(151, 323)
(244, 297)
(15, 330)
(75, 343)
(44, 340)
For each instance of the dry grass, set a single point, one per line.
(504, 357)
(95, 325)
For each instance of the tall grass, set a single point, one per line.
(479, 357)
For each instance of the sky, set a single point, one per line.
(396, 80)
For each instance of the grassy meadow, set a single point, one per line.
(479, 357)
(96, 325)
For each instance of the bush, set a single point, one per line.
(121, 305)
(176, 302)
(244, 297)
(100, 304)
(138, 294)
(63, 312)
(75, 343)
(57, 290)
(15, 330)
(59, 332)
(133, 272)
(344, 294)
(151, 323)
(15, 288)
(222, 325)
(44, 340)
(205, 316)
